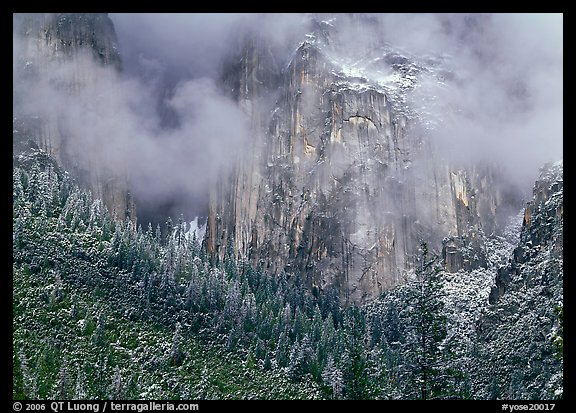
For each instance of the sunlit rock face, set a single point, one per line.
(58, 50)
(341, 182)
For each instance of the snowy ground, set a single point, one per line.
(466, 292)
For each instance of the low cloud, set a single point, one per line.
(115, 126)
(501, 99)
(505, 103)
(165, 121)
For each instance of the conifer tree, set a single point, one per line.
(425, 326)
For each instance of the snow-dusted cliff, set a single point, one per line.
(342, 180)
(57, 58)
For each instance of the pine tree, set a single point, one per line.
(267, 361)
(117, 387)
(282, 350)
(354, 357)
(176, 355)
(158, 235)
(98, 337)
(18, 389)
(333, 378)
(101, 373)
(80, 388)
(425, 328)
(180, 232)
(558, 334)
(169, 230)
(62, 391)
(204, 387)
(230, 259)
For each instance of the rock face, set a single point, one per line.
(61, 46)
(62, 35)
(339, 184)
(541, 238)
(520, 334)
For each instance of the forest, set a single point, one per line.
(106, 309)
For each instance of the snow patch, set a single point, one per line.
(196, 229)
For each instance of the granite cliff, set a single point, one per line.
(341, 181)
(59, 50)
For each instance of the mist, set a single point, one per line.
(118, 127)
(500, 97)
(179, 57)
(165, 121)
(504, 104)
